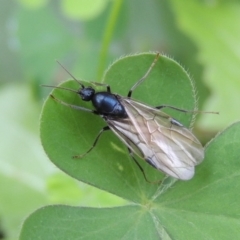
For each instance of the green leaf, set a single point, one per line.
(206, 207)
(90, 223)
(66, 132)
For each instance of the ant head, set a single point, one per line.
(86, 93)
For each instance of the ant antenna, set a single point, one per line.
(68, 89)
(70, 74)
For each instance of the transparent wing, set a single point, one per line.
(159, 139)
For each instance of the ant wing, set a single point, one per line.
(159, 139)
(125, 130)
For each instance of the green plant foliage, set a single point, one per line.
(203, 208)
(43, 46)
(21, 188)
(173, 209)
(84, 10)
(66, 132)
(33, 4)
(130, 222)
(63, 189)
(212, 26)
(85, 36)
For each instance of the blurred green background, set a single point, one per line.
(86, 36)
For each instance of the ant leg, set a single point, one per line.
(144, 77)
(141, 169)
(175, 108)
(183, 110)
(103, 85)
(73, 106)
(94, 143)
